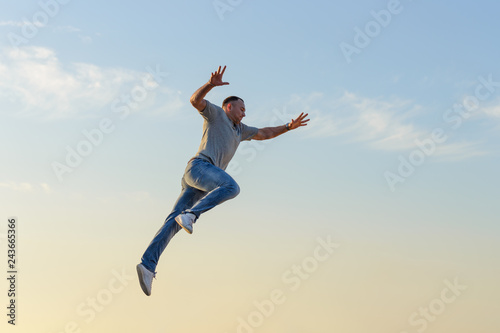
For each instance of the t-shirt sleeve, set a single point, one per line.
(209, 112)
(248, 132)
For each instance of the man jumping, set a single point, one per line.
(205, 184)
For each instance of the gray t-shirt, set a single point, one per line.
(221, 136)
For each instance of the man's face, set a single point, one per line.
(236, 111)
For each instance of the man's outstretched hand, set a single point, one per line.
(216, 77)
(299, 121)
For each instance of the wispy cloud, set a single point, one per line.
(382, 124)
(490, 115)
(67, 29)
(19, 24)
(459, 151)
(18, 187)
(26, 187)
(492, 111)
(35, 83)
(85, 39)
(389, 124)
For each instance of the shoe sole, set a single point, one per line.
(180, 224)
(141, 281)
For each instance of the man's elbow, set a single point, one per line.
(197, 104)
(193, 101)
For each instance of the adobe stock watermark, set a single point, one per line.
(250, 150)
(425, 315)
(29, 29)
(292, 279)
(89, 309)
(223, 6)
(94, 137)
(454, 117)
(371, 30)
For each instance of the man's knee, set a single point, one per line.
(237, 189)
(233, 188)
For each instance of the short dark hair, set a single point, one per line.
(231, 99)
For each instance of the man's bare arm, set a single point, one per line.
(267, 133)
(272, 132)
(198, 98)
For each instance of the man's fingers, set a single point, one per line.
(219, 70)
(302, 115)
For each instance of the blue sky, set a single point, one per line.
(85, 74)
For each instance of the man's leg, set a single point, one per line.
(217, 185)
(186, 199)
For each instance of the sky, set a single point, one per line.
(380, 216)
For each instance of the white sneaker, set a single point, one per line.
(145, 278)
(186, 221)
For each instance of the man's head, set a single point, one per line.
(234, 108)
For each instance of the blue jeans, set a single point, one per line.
(204, 186)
